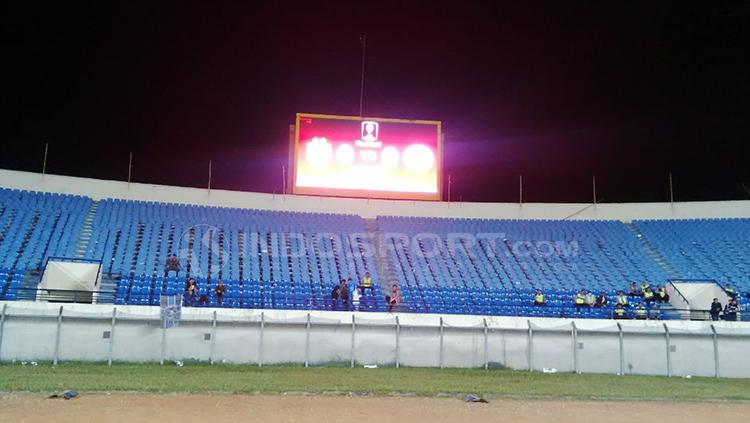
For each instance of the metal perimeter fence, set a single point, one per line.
(102, 333)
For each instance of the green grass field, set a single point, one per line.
(245, 379)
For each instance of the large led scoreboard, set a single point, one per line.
(366, 157)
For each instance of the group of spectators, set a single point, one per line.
(347, 296)
(193, 296)
(648, 294)
(587, 299)
(728, 312)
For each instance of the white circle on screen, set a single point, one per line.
(389, 157)
(345, 155)
(419, 158)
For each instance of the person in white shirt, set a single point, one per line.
(355, 298)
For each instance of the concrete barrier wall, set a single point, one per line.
(78, 332)
(100, 189)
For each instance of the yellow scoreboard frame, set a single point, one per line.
(362, 193)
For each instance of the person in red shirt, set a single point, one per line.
(219, 291)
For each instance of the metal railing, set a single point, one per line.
(369, 303)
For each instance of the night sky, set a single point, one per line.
(556, 91)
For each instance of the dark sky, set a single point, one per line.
(556, 91)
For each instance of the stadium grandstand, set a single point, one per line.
(272, 259)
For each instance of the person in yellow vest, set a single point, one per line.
(640, 312)
(648, 295)
(661, 294)
(622, 300)
(580, 299)
(644, 285)
(539, 298)
(619, 312)
(367, 284)
(730, 291)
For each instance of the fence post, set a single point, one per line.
(669, 347)
(260, 341)
(486, 355)
(354, 330)
(163, 344)
(530, 347)
(112, 336)
(398, 342)
(622, 350)
(307, 342)
(213, 340)
(574, 335)
(441, 343)
(2, 328)
(57, 337)
(715, 337)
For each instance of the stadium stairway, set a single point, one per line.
(386, 273)
(86, 230)
(29, 285)
(651, 251)
(108, 288)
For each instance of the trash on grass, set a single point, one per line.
(65, 395)
(474, 398)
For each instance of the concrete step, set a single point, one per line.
(29, 285)
(86, 231)
(652, 252)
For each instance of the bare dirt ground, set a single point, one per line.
(331, 409)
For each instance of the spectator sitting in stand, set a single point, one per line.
(189, 282)
(661, 294)
(355, 298)
(633, 291)
(644, 285)
(648, 295)
(394, 298)
(172, 264)
(590, 299)
(219, 291)
(619, 312)
(344, 295)
(640, 312)
(335, 297)
(622, 300)
(191, 293)
(367, 284)
(730, 291)
(580, 299)
(539, 299)
(601, 301)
